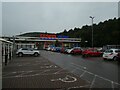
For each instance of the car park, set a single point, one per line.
(27, 51)
(91, 52)
(111, 54)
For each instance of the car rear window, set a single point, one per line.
(117, 51)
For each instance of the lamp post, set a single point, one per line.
(86, 43)
(92, 29)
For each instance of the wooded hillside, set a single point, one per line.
(105, 33)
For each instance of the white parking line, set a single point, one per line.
(82, 68)
(105, 78)
(58, 71)
(77, 87)
(6, 74)
(42, 73)
(22, 74)
(82, 73)
(73, 70)
(79, 65)
(78, 68)
(112, 85)
(93, 82)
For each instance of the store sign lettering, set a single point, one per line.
(52, 36)
(47, 35)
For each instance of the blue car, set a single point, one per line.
(57, 49)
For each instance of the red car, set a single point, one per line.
(91, 52)
(75, 50)
(62, 50)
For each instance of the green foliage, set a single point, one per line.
(107, 32)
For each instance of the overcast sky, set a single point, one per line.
(51, 17)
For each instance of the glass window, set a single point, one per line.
(24, 49)
(109, 51)
(117, 51)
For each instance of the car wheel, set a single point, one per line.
(36, 54)
(83, 55)
(104, 58)
(20, 54)
(87, 55)
(72, 53)
(115, 58)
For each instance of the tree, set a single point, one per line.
(106, 32)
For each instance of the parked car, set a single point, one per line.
(111, 54)
(27, 51)
(64, 50)
(48, 48)
(75, 50)
(53, 49)
(56, 49)
(118, 56)
(68, 50)
(91, 52)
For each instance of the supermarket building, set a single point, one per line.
(45, 40)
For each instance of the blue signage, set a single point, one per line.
(48, 38)
(61, 36)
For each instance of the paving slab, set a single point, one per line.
(38, 72)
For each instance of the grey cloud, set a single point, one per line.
(53, 17)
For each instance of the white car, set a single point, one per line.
(27, 51)
(110, 54)
(68, 50)
(48, 49)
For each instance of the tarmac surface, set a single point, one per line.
(38, 72)
(101, 74)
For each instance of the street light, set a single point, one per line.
(92, 28)
(86, 43)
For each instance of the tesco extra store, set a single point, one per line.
(45, 40)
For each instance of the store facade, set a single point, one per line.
(46, 40)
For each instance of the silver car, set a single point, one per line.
(27, 51)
